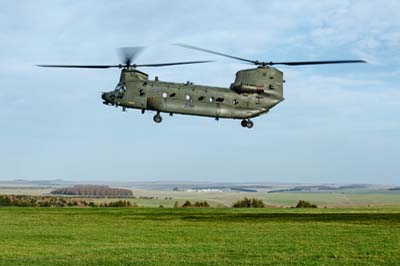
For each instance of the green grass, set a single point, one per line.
(142, 236)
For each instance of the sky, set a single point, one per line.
(338, 123)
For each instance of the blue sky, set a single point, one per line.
(339, 123)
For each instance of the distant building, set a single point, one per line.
(203, 190)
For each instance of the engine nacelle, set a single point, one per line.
(262, 80)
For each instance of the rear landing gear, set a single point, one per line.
(157, 118)
(247, 123)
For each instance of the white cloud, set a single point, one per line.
(322, 102)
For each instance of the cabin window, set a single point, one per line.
(211, 99)
(172, 94)
(235, 102)
(271, 87)
(188, 97)
(165, 95)
(142, 92)
(220, 100)
(201, 98)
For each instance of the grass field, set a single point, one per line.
(143, 236)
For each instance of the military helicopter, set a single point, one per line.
(254, 92)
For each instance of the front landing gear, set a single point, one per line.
(247, 123)
(157, 118)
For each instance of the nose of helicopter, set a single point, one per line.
(106, 98)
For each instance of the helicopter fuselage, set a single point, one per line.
(135, 91)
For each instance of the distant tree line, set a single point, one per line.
(50, 201)
(53, 201)
(249, 203)
(119, 204)
(94, 191)
(318, 188)
(305, 204)
(189, 204)
(241, 189)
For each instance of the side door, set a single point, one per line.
(140, 94)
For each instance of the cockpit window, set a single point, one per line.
(120, 88)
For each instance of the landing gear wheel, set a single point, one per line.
(157, 118)
(247, 123)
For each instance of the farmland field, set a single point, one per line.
(155, 198)
(152, 236)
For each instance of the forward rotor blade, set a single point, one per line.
(81, 66)
(315, 62)
(173, 64)
(123, 66)
(214, 52)
(129, 54)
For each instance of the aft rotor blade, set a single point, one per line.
(81, 66)
(316, 62)
(173, 64)
(214, 52)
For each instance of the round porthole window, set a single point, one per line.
(211, 99)
(165, 95)
(188, 97)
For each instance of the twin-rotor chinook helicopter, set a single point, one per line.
(254, 92)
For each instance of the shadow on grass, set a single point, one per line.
(299, 217)
(212, 215)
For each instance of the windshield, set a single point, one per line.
(120, 90)
(120, 87)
